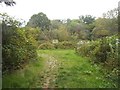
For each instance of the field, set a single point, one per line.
(62, 51)
(58, 69)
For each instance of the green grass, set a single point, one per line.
(25, 77)
(74, 72)
(78, 72)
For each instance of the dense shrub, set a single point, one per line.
(59, 45)
(46, 45)
(18, 44)
(65, 45)
(103, 50)
(86, 49)
(17, 48)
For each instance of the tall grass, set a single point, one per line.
(23, 78)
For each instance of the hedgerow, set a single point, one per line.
(17, 51)
(18, 48)
(103, 50)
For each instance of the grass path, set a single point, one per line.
(50, 68)
(59, 69)
(49, 72)
(65, 69)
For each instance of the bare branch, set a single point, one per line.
(8, 2)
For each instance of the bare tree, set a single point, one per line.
(8, 2)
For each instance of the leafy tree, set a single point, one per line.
(88, 19)
(39, 20)
(77, 28)
(74, 26)
(112, 14)
(62, 33)
(55, 24)
(101, 33)
(105, 25)
(9, 25)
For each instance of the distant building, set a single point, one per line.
(54, 41)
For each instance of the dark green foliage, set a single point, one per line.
(101, 55)
(13, 51)
(18, 51)
(18, 48)
(39, 20)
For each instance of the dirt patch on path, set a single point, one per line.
(50, 71)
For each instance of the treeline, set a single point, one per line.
(85, 27)
(69, 32)
(19, 44)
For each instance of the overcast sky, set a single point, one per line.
(59, 9)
